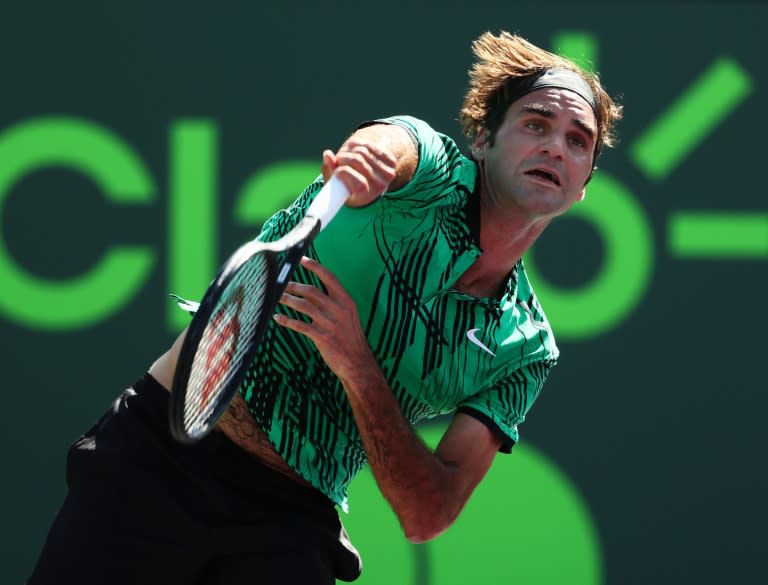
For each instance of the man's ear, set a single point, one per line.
(582, 194)
(480, 145)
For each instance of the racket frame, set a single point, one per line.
(294, 244)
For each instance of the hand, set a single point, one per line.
(334, 325)
(364, 167)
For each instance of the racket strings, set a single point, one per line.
(225, 343)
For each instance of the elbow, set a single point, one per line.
(420, 538)
(426, 527)
(427, 515)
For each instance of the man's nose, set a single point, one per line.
(553, 146)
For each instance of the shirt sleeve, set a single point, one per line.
(504, 406)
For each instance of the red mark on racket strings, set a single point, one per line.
(216, 369)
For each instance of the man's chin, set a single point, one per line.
(548, 205)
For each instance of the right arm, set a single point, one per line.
(374, 159)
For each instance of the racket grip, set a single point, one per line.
(328, 201)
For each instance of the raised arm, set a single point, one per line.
(374, 159)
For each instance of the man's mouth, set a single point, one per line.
(547, 175)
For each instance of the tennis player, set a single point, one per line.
(413, 303)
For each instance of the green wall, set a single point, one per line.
(140, 143)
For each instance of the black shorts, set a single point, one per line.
(143, 509)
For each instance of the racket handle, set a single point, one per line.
(328, 201)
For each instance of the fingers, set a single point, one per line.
(364, 168)
(329, 164)
(330, 321)
(303, 297)
(303, 304)
(306, 300)
(312, 302)
(294, 324)
(366, 152)
(328, 278)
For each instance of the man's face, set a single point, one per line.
(541, 155)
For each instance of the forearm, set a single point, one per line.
(417, 484)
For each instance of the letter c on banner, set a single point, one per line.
(89, 149)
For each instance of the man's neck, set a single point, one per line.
(503, 244)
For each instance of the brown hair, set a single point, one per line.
(506, 56)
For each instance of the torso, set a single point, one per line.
(236, 423)
(448, 324)
(441, 317)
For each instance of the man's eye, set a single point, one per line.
(578, 141)
(534, 125)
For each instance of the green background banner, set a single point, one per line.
(141, 143)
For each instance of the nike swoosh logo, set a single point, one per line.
(473, 338)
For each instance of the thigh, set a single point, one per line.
(100, 536)
(281, 547)
(270, 568)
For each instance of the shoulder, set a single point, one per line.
(424, 136)
(441, 171)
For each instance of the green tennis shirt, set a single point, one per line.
(440, 350)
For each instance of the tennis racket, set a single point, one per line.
(233, 315)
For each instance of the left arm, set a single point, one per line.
(426, 490)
